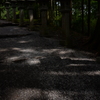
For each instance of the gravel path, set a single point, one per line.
(38, 68)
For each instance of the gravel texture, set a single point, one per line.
(38, 68)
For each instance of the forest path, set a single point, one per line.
(38, 68)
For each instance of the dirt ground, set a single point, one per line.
(38, 68)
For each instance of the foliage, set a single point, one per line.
(55, 17)
(77, 16)
(3, 12)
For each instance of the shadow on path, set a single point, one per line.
(36, 68)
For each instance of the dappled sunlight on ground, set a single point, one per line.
(25, 41)
(38, 68)
(88, 59)
(93, 73)
(34, 54)
(38, 94)
(33, 61)
(76, 65)
(66, 51)
(3, 50)
(90, 73)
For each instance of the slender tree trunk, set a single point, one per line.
(82, 16)
(89, 8)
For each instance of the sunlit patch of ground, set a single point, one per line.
(38, 94)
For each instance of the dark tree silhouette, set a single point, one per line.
(94, 40)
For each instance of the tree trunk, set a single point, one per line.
(94, 41)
